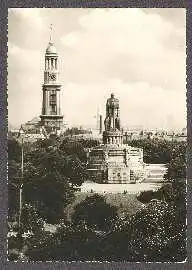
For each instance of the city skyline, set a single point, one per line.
(138, 54)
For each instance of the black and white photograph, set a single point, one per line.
(97, 135)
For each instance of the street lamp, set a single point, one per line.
(21, 135)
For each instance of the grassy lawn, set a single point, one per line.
(126, 203)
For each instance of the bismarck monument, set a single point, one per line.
(115, 162)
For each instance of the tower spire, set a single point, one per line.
(51, 29)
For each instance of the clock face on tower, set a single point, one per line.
(52, 76)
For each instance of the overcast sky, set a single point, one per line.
(138, 54)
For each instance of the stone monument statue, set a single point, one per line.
(112, 133)
(112, 120)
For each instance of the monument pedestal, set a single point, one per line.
(120, 164)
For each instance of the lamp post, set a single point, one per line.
(21, 135)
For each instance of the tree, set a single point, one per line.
(75, 170)
(13, 189)
(88, 143)
(75, 165)
(73, 148)
(14, 174)
(70, 242)
(51, 174)
(46, 185)
(155, 230)
(149, 235)
(75, 131)
(176, 169)
(14, 150)
(32, 229)
(78, 148)
(95, 213)
(145, 196)
(158, 150)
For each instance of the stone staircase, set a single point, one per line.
(156, 173)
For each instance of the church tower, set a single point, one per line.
(51, 117)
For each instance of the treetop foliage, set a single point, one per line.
(95, 213)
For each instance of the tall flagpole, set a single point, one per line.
(20, 231)
(21, 185)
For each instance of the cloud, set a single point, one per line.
(123, 31)
(140, 104)
(31, 16)
(25, 74)
(137, 54)
(126, 43)
(27, 28)
(27, 58)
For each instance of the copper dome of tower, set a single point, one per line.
(51, 49)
